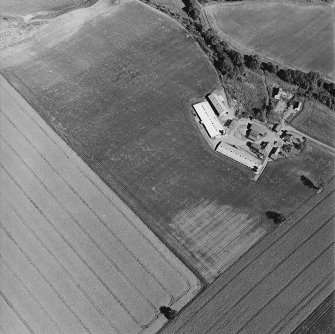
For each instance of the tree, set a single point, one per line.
(225, 65)
(252, 62)
(277, 217)
(308, 182)
(270, 67)
(168, 312)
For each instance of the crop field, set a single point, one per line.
(29, 7)
(321, 321)
(116, 83)
(293, 34)
(74, 258)
(317, 121)
(277, 284)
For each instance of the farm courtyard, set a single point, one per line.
(116, 83)
(296, 35)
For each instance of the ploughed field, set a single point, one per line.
(297, 35)
(316, 120)
(116, 82)
(322, 320)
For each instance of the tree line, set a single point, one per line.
(230, 63)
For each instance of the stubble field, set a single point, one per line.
(116, 82)
(296, 35)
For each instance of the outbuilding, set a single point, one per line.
(218, 104)
(209, 120)
(240, 156)
(297, 106)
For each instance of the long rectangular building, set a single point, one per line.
(240, 156)
(208, 118)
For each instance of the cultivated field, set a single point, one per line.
(116, 83)
(33, 7)
(317, 121)
(293, 34)
(321, 321)
(74, 258)
(274, 286)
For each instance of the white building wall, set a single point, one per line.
(238, 155)
(209, 119)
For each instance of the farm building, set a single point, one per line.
(259, 129)
(208, 118)
(297, 106)
(253, 135)
(277, 127)
(255, 131)
(279, 93)
(219, 104)
(240, 156)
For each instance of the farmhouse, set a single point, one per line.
(240, 156)
(208, 118)
(219, 104)
(279, 93)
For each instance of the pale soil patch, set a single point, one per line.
(28, 8)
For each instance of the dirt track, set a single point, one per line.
(274, 286)
(74, 258)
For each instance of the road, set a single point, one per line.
(74, 258)
(276, 284)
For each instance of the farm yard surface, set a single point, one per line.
(275, 285)
(316, 120)
(74, 258)
(117, 83)
(295, 35)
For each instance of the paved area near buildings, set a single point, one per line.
(74, 258)
(275, 285)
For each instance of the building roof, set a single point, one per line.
(258, 128)
(208, 118)
(297, 105)
(219, 104)
(238, 155)
(253, 135)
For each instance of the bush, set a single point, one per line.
(277, 217)
(168, 312)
